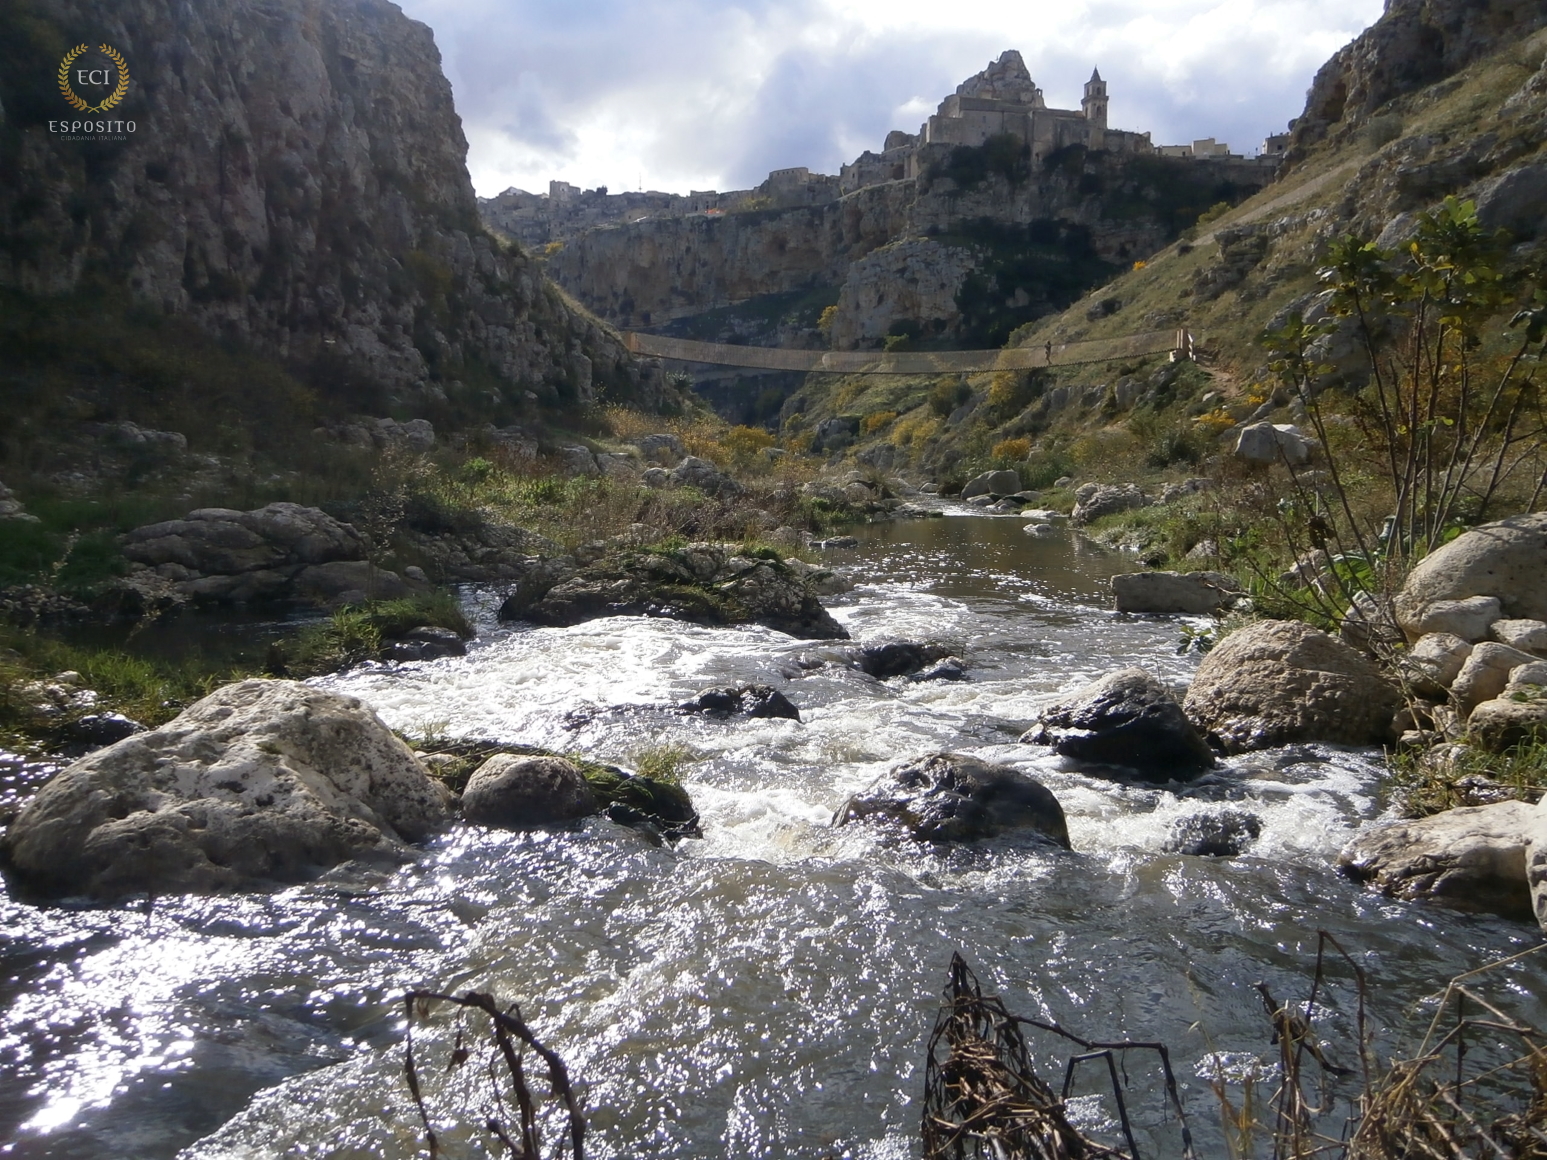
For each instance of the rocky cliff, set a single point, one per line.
(971, 203)
(1414, 44)
(295, 181)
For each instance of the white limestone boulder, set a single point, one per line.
(1507, 559)
(260, 783)
(1526, 635)
(1273, 443)
(1470, 619)
(1471, 859)
(1435, 661)
(1485, 674)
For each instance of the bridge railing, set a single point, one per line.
(912, 362)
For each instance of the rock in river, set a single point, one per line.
(701, 583)
(1219, 835)
(261, 782)
(517, 793)
(1164, 593)
(1473, 858)
(947, 797)
(743, 700)
(1280, 681)
(1126, 718)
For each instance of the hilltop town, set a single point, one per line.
(1000, 101)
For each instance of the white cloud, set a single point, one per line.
(680, 94)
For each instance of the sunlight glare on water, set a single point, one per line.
(764, 992)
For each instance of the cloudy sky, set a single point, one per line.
(712, 94)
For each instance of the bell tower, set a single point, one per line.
(1094, 105)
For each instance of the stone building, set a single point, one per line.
(1003, 99)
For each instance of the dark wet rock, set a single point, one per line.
(1218, 835)
(659, 809)
(516, 793)
(1276, 682)
(838, 542)
(97, 730)
(701, 583)
(945, 669)
(948, 797)
(1129, 719)
(898, 658)
(742, 701)
(261, 782)
(425, 643)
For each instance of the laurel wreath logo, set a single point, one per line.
(113, 98)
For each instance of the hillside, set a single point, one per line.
(1439, 99)
(287, 238)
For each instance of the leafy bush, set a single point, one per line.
(874, 421)
(947, 395)
(1012, 450)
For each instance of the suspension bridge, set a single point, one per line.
(912, 362)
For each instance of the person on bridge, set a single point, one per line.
(1050, 352)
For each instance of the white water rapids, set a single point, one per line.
(767, 991)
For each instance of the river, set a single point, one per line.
(766, 991)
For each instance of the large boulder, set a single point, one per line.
(1281, 681)
(1004, 482)
(1434, 662)
(1126, 718)
(1473, 858)
(701, 583)
(261, 782)
(1274, 443)
(1188, 593)
(1507, 560)
(1526, 635)
(1095, 500)
(1514, 200)
(705, 476)
(1470, 619)
(1517, 716)
(511, 792)
(948, 797)
(898, 658)
(1486, 673)
(279, 552)
(663, 449)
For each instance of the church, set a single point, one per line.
(1004, 99)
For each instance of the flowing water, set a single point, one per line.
(767, 991)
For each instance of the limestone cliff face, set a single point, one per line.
(647, 273)
(296, 179)
(1414, 44)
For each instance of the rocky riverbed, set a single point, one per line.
(765, 990)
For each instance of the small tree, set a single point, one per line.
(1449, 414)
